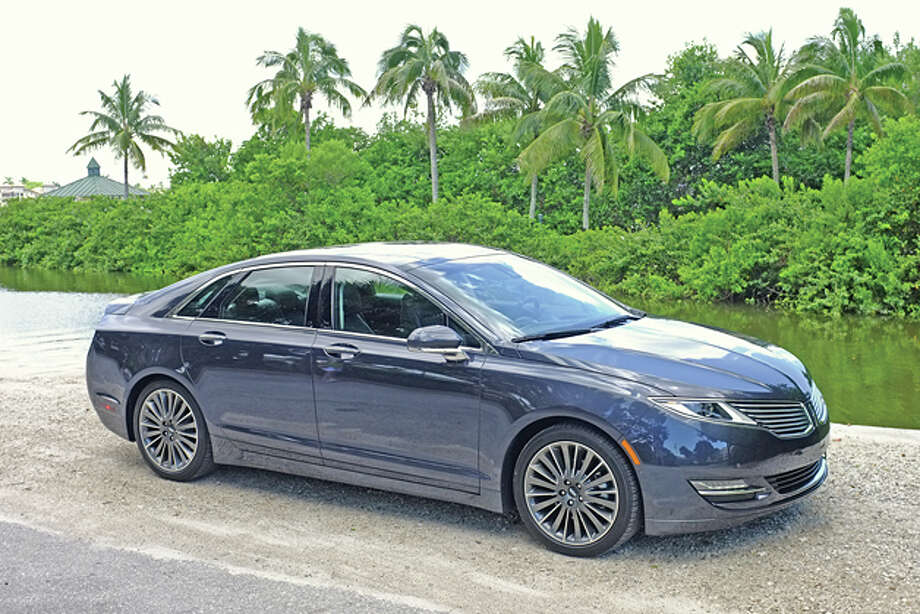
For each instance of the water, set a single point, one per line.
(47, 317)
(868, 368)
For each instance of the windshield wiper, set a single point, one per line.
(553, 334)
(617, 321)
(571, 332)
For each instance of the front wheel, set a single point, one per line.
(575, 491)
(171, 432)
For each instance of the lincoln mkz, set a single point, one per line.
(465, 374)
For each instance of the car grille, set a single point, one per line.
(817, 405)
(791, 481)
(785, 420)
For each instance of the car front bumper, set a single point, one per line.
(673, 505)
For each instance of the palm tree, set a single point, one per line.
(518, 95)
(853, 81)
(588, 116)
(427, 64)
(312, 67)
(124, 126)
(756, 96)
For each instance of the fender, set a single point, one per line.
(138, 378)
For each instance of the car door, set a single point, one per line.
(248, 354)
(382, 409)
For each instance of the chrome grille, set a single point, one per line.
(786, 420)
(817, 404)
(791, 481)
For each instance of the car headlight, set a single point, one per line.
(703, 409)
(818, 405)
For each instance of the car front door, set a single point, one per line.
(382, 409)
(248, 354)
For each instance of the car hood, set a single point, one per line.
(682, 359)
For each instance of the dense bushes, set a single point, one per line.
(837, 248)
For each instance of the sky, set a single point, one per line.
(198, 57)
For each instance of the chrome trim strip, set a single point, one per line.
(269, 324)
(799, 407)
(819, 477)
(754, 490)
(172, 314)
(192, 294)
(405, 282)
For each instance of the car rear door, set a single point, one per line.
(382, 409)
(248, 355)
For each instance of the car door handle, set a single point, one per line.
(343, 351)
(212, 338)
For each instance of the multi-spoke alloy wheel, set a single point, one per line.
(171, 432)
(575, 490)
(571, 493)
(168, 429)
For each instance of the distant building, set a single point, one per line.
(94, 184)
(9, 191)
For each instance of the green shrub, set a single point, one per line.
(836, 248)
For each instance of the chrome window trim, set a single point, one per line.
(450, 313)
(485, 345)
(269, 324)
(175, 310)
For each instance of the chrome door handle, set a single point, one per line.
(343, 351)
(211, 338)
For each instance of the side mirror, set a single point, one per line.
(437, 339)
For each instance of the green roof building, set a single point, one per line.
(94, 185)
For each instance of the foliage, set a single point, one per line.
(586, 115)
(855, 80)
(841, 248)
(313, 67)
(519, 96)
(124, 126)
(426, 64)
(683, 226)
(197, 160)
(752, 96)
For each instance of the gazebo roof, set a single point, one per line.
(94, 185)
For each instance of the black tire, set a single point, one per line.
(623, 523)
(150, 430)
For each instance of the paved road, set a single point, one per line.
(44, 572)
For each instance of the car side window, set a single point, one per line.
(269, 296)
(199, 302)
(366, 302)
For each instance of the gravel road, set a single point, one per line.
(75, 497)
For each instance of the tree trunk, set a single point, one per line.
(849, 158)
(126, 175)
(584, 209)
(432, 147)
(771, 125)
(533, 197)
(305, 109)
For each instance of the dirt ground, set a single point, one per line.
(853, 547)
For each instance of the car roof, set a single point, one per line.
(402, 255)
(395, 256)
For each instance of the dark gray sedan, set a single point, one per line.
(466, 374)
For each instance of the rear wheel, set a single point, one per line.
(575, 491)
(171, 432)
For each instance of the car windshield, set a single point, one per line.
(519, 297)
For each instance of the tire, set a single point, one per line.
(171, 433)
(581, 515)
